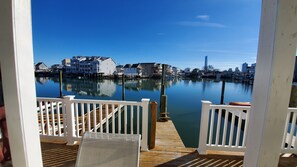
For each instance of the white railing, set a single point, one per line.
(289, 144)
(68, 118)
(224, 127)
(51, 115)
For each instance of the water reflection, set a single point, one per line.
(90, 87)
(42, 80)
(147, 84)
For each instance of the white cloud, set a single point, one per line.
(201, 24)
(203, 17)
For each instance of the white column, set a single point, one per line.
(272, 86)
(203, 127)
(16, 57)
(144, 136)
(70, 123)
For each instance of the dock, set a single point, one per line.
(169, 151)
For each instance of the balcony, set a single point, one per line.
(64, 120)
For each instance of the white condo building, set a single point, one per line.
(92, 65)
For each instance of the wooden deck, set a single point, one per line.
(169, 151)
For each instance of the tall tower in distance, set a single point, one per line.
(205, 64)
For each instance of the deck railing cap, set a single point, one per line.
(145, 100)
(205, 101)
(69, 97)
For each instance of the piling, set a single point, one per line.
(60, 81)
(154, 108)
(123, 87)
(163, 81)
(223, 92)
(163, 112)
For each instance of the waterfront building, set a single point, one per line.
(244, 67)
(119, 70)
(91, 65)
(41, 67)
(169, 71)
(253, 68)
(150, 69)
(205, 64)
(133, 70)
(187, 71)
(176, 71)
(157, 70)
(66, 62)
(56, 68)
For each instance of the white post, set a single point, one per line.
(203, 127)
(144, 142)
(70, 125)
(16, 57)
(272, 86)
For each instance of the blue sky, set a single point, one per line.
(176, 32)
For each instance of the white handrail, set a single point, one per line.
(227, 129)
(68, 118)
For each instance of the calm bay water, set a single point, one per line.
(184, 96)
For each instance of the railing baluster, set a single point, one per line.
(246, 125)
(225, 127)
(64, 117)
(292, 130)
(238, 128)
(106, 118)
(125, 119)
(53, 118)
(138, 119)
(47, 118)
(82, 113)
(58, 117)
(232, 129)
(89, 117)
(218, 127)
(113, 120)
(95, 115)
(76, 118)
(131, 119)
(41, 117)
(100, 117)
(119, 119)
(212, 111)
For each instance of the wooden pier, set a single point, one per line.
(169, 151)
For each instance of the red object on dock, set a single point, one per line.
(240, 103)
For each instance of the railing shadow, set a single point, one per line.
(194, 159)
